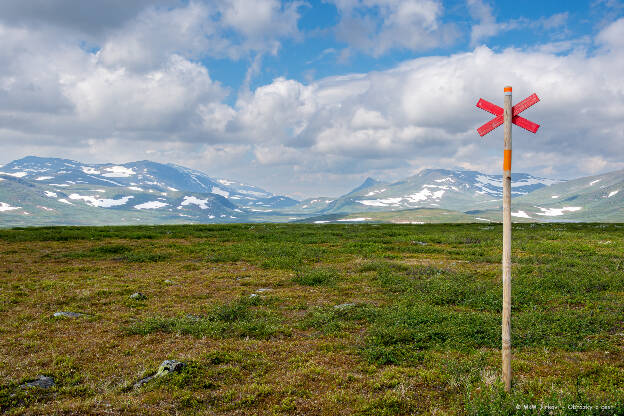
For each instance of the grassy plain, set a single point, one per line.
(311, 319)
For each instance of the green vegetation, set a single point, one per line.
(311, 319)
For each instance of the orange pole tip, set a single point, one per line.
(508, 89)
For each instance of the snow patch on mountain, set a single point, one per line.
(188, 200)
(50, 194)
(15, 174)
(89, 170)
(43, 178)
(371, 193)
(101, 203)
(219, 191)
(593, 182)
(135, 188)
(63, 200)
(118, 172)
(555, 212)
(612, 193)
(520, 214)
(7, 207)
(151, 205)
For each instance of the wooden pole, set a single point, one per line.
(506, 347)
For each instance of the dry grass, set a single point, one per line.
(407, 345)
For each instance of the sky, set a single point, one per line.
(308, 98)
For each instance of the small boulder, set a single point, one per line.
(169, 282)
(264, 289)
(138, 296)
(343, 306)
(42, 382)
(169, 366)
(68, 314)
(253, 295)
(420, 243)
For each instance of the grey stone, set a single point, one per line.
(42, 382)
(264, 289)
(138, 296)
(420, 243)
(68, 314)
(253, 295)
(169, 282)
(169, 366)
(344, 306)
(143, 381)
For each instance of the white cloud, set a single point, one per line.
(58, 99)
(377, 26)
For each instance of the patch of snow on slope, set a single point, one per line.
(6, 207)
(172, 189)
(555, 196)
(16, 174)
(45, 208)
(381, 202)
(43, 178)
(354, 219)
(63, 200)
(254, 193)
(425, 194)
(555, 212)
(535, 181)
(118, 172)
(449, 180)
(135, 188)
(613, 193)
(102, 203)
(89, 170)
(321, 222)
(225, 182)
(593, 182)
(220, 191)
(371, 193)
(520, 214)
(202, 203)
(50, 194)
(151, 205)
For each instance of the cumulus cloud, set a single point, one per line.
(377, 26)
(143, 94)
(487, 25)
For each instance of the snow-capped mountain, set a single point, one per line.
(436, 188)
(49, 191)
(74, 192)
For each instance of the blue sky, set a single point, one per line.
(308, 98)
(320, 53)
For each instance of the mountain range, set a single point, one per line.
(53, 191)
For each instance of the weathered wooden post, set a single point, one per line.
(507, 115)
(506, 334)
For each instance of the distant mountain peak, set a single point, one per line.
(368, 182)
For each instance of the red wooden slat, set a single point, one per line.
(490, 125)
(489, 107)
(524, 104)
(525, 124)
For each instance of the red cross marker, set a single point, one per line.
(516, 119)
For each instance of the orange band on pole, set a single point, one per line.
(506, 159)
(507, 89)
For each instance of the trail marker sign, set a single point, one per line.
(507, 116)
